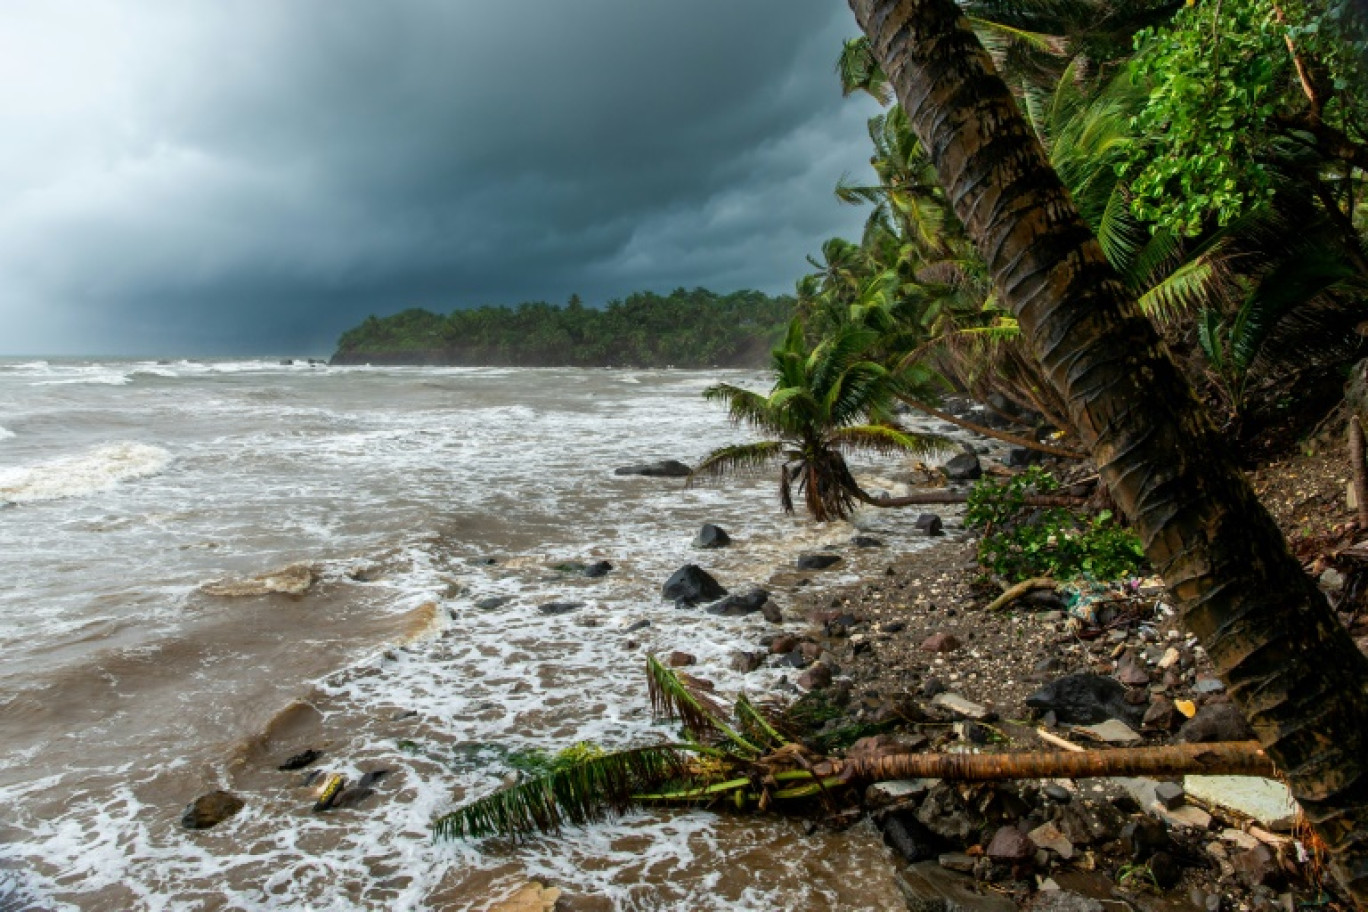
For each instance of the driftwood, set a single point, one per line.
(1015, 592)
(991, 432)
(1231, 758)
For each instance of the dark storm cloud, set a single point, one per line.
(260, 175)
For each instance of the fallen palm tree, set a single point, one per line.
(747, 762)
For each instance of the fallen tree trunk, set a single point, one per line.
(959, 497)
(990, 432)
(1231, 758)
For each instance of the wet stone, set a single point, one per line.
(598, 569)
(300, 760)
(815, 678)
(554, 608)
(817, 561)
(1083, 699)
(740, 605)
(866, 541)
(492, 602)
(940, 642)
(1215, 722)
(746, 662)
(692, 584)
(210, 810)
(679, 659)
(711, 536)
(1009, 844)
(930, 524)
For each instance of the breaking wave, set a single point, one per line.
(92, 472)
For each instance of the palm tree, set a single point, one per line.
(1288, 664)
(828, 401)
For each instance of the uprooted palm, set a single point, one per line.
(827, 401)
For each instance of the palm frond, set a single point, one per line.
(736, 459)
(754, 723)
(1189, 287)
(675, 695)
(590, 790)
(743, 406)
(886, 439)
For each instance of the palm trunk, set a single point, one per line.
(927, 498)
(1237, 758)
(1358, 470)
(1288, 664)
(990, 432)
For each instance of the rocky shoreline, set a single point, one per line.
(908, 658)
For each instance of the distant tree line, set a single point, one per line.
(697, 328)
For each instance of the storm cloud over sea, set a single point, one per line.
(258, 176)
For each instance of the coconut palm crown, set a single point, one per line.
(828, 401)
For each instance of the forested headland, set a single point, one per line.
(697, 328)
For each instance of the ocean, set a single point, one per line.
(146, 663)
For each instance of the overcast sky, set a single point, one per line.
(202, 176)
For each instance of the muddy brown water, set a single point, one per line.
(127, 691)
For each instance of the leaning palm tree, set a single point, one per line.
(828, 401)
(1289, 665)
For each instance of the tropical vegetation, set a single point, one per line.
(684, 328)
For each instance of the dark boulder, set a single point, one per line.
(211, 809)
(692, 584)
(300, 760)
(817, 561)
(866, 541)
(559, 607)
(1085, 699)
(964, 467)
(740, 605)
(746, 662)
(665, 468)
(930, 524)
(815, 678)
(1021, 457)
(770, 612)
(907, 836)
(711, 536)
(598, 569)
(1215, 722)
(492, 602)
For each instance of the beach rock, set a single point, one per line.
(960, 706)
(1021, 457)
(711, 536)
(946, 814)
(1084, 699)
(637, 625)
(1010, 845)
(1047, 836)
(1215, 722)
(746, 662)
(210, 810)
(1131, 671)
(598, 569)
(929, 887)
(1170, 795)
(740, 605)
(930, 524)
(492, 602)
(1266, 801)
(1056, 792)
(815, 678)
(964, 467)
(909, 838)
(300, 760)
(1255, 867)
(679, 659)
(1160, 716)
(296, 580)
(817, 561)
(783, 644)
(554, 608)
(770, 612)
(1089, 822)
(1112, 731)
(691, 584)
(1206, 685)
(664, 468)
(940, 642)
(866, 541)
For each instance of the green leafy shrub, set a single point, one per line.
(1020, 542)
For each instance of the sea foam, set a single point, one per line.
(91, 472)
